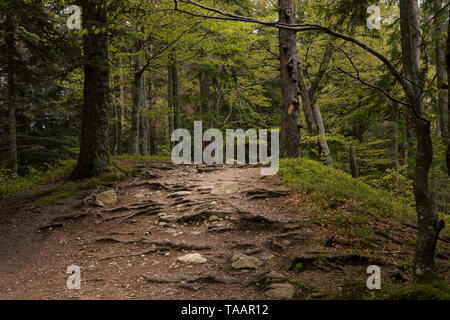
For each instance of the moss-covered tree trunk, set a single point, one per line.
(427, 219)
(447, 58)
(441, 70)
(11, 49)
(94, 149)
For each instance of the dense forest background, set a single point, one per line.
(168, 68)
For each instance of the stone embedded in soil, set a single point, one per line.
(168, 218)
(192, 258)
(226, 188)
(242, 261)
(214, 218)
(281, 291)
(270, 278)
(106, 199)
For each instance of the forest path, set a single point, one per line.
(240, 225)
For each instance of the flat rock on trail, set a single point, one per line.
(131, 250)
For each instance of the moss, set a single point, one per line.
(107, 177)
(343, 205)
(435, 291)
(354, 290)
(335, 188)
(55, 196)
(124, 168)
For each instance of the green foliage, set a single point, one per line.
(12, 183)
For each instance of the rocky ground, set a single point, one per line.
(180, 232)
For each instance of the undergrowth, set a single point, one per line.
(342, 204)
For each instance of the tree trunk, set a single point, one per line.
(121, 122)
(116, 129)
(94, 149)
(353, 163)
(138, 100)
(11, 47)
(306, 103)
(312, 112)
(441, 72)
(395, 134)
(144, 119)
(170, 100)
(290, 144)
(175, 93)
(205, 93)
(447, 58)
(151, 98)
(324, 152)
(428, 222)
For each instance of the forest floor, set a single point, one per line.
(255, 239)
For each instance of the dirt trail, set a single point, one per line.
(130, 251)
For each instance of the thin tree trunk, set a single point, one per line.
(290, 145)
(170, 100)
(353, 163)
(447, 58)
(312, 112)
(306, 103)
(11, 47)
(144, 119)
(324, 149)
(151, 98)
(175, 93)
(205, 93)
(138, 100)
(428, 221)
(121, 122)
(395, 135)
(441, 72)
(94, 149)
(116, 129)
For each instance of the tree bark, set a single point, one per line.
(447, 58)
(144, 119)
(11, 47)
(306, 102)
(428, 221)
(290, 144)
(151, 98)
(94, 149)
(441, 71)
(324, 152)
(205, 93)
(121, 122)
(353, 163)
(138, 100)
(175, 95)
(311, 109)
(170, 100)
